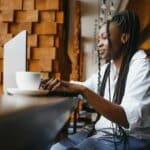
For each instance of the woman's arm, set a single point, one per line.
(111, 111)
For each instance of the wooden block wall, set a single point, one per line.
(43, 19)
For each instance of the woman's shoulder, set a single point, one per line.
(140, 58)
(139, 65)
(139, 55)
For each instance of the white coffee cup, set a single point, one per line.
(28, 80)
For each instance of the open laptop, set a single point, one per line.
(15, 59)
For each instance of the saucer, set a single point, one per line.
(16, 91)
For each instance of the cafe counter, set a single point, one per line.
(31, 123)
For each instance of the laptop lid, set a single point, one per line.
(15, 59)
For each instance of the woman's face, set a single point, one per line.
(115, 38)
(103, 42)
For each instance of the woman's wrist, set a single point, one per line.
(82, 90)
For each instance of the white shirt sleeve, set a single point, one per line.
(90, 83)
(136, 100)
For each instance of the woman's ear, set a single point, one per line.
(125, 37)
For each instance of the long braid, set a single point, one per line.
(131, 21)
(99, 73)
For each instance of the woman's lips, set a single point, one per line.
(102, 51)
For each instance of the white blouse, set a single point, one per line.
(136, 99)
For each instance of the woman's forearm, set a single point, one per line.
(111, 111)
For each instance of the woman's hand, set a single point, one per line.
(55, 85)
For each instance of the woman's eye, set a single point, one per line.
(104, 36)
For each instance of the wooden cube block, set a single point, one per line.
(32, 40)
(46, 65)
(10, 4)
(1, 53)
(4, 38)
(45, 28)
(18, 27)
(60, 17)
(16, 4)
(3, 28)
(47, 4)
(28, 4)
(46, 41)
(48, 53)
(47, 16)
(7, 15)
(27, 16)
(28, 52)
(44, 53)
(34, 65)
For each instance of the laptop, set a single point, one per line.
(15, 59)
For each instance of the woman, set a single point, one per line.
(123, 99)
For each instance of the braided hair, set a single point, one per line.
(127, 22)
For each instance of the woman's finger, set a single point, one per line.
(51, 84)
(43, 82)
(46, 83)
(56, 86)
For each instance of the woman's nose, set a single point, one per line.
(100, 44)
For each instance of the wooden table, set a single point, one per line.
(32, 122)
